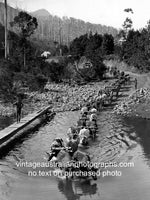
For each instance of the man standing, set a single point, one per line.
(19, 106)
(135, 82)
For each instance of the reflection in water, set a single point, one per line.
(86, 187)
(66, 188)
(142, 129)
(73, 190)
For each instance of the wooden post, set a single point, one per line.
(6, 32)
(60, 39)
(24, 57)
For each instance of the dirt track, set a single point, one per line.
(142, 108)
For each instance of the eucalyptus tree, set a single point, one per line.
(25, 25)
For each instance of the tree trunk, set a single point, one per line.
(6, 48)
(24, 57)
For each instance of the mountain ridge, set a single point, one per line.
(53, 28)
(41, 12)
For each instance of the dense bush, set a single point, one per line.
(25, 67)
(6, 80)
(94, 48)
(135, 50)
(36, 82)
(88, 45)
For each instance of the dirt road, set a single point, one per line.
(140, 108)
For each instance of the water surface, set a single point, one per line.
(113, 144)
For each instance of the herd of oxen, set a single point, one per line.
(86, 128)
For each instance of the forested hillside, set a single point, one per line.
(66, 29)
(11, 13)
(53, 28)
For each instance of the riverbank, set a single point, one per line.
(62, 97)
(137, 102)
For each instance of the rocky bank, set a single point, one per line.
(62, 97)
(137, 104)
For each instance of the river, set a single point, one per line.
(130, 180)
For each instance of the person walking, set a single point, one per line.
(19, 106)
(135, 82)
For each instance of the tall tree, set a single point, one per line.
(26, 25)
(107, 44)
(127, 25)
(6, 32)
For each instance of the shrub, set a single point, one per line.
(41, 81)
(6, 80)
(36, 82)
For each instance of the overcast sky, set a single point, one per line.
(106, 12)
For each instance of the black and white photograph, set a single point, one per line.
(74, 100)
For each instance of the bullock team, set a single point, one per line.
(86, 128)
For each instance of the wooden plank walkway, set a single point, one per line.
(16, 127)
